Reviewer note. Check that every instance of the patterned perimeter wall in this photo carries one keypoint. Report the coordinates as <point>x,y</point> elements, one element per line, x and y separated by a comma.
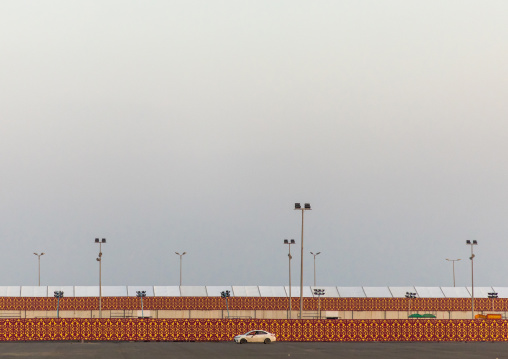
<point>224,330</point>
<point>253,303</point>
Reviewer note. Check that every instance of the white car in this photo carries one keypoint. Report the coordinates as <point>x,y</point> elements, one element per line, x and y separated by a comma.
<point>255,336</point>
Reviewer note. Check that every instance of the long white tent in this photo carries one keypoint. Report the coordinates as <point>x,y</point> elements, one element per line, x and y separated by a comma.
<point>251,291</point>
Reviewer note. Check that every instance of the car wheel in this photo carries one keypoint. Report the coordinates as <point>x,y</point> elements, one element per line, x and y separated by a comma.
<point>243,341</point>
<point>267,341</point>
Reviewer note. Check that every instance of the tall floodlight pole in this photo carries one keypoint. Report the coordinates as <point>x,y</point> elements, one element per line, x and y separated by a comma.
<point>453,266</point>
<point>473,243</point>
<point>99,259</point>
<point>289,242</point>
<point>226,294</point>
<point>181,255</point>
<point>319,293</point>
<point>315,266</point>
<point>410,295</point>
<point>39,257</point>
<point>306,207</point>
<point>493,295</point>
<point>58,294</point>
<point>141,294</point>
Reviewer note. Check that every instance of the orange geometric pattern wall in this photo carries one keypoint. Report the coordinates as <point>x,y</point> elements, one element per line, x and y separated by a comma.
<point>225,329</point>
<point>254,303</point>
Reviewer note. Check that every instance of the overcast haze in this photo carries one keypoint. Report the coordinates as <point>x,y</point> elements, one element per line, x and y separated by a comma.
<point>195,126</point>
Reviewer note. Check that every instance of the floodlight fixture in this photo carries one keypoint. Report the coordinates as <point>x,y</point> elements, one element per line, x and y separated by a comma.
<point>319,292</point>
<point>410,295</point>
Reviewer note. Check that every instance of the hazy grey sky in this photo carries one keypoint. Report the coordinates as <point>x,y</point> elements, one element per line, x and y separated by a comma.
<point>196,125</point>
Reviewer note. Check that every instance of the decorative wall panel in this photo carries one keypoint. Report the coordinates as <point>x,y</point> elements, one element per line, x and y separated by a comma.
<point>254,303</point>
<point>225,330</point>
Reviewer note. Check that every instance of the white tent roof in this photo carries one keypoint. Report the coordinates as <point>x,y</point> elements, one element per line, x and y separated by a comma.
<point>266,291</point>
<point>330,292</point>
<point>400,292</point>
<point>429,292</point>
<point>166,291</point>
<point>251,291</point>
<point>216,290</point>
<point>10,291</point>
<point>480,292</point>
<point>377,292</point>
<point>114,291</point>
<point>132,289</point>
<point>246,291</point>
<point>295,291</point>
<point>193,291</point>
<point>455,292</point>
<point>68,290</point>
<point>86,291</point>
<point>351,292</point>
<point>27,291</point>
<point>502,292</point>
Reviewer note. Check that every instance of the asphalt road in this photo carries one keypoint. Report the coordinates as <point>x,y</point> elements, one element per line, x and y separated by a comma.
<point>289,350</point>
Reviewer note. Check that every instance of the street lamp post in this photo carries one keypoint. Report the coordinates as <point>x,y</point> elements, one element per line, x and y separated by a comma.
<point>141,294</point>
<point>226,294</point>
<point>410,295</point>
<point>181,255</point>
<point>39,257</point>
<point>472,243</point>
<point>453,266</point>
<point>319,293</point>
<point>493,295</point>
<point>298,207</point>
<point>315,266</point>
<point>289,242</point>
<point>99,259</point>
<point>58,294</point>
